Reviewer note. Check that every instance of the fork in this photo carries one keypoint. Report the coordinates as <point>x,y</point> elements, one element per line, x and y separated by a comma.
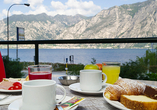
<point>4,97</point>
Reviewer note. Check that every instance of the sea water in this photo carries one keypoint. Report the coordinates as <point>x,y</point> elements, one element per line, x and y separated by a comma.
<point>83,56</point>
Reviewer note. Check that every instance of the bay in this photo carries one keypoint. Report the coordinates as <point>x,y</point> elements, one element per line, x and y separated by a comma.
<point>83,56</point>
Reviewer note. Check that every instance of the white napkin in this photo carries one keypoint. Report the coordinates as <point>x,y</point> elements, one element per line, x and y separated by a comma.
<point>9,99</point>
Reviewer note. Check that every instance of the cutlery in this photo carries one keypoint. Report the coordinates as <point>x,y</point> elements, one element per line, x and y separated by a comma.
<point>58,106</point>
<point>4,97</point>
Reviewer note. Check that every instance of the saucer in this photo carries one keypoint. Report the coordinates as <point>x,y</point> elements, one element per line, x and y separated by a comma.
<point>16,104</point>
<point>76,87</point>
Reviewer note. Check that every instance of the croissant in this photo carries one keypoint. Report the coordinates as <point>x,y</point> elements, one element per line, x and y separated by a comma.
<point>124,87</point>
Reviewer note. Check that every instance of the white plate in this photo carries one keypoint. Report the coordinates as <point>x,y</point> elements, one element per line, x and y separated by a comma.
<point>15,80</point>
<point>16,104</point>
<point>9,99</point>
<point>76,87</point>
<point>2,90</point>
<point>116,104</point>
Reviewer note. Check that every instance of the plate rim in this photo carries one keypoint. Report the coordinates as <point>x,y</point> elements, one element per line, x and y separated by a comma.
<point>3,90</point>
<point>20,99</point>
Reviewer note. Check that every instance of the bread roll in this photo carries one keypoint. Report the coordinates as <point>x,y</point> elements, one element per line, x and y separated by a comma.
<point>114,92</point>
<point>124,87</point>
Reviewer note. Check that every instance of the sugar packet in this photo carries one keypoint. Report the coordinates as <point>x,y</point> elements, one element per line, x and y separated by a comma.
<point>71,103</point>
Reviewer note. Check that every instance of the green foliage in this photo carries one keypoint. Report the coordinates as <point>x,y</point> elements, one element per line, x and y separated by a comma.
<point>132,70</point>
<point>58,67</point>
<point>144,68</point>
<point>149,60</point>
<point>26,64</point>
<point>152,76</point>
<point>13,67</point>
<point>74,69</point>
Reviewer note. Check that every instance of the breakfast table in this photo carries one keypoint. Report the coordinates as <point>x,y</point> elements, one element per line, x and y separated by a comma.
<point>91,102</point>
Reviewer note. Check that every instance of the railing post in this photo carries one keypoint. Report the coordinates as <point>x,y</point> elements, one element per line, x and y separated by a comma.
<point>36,54</point>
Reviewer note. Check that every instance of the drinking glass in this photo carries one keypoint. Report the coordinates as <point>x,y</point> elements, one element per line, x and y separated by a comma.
<point>40,72</point>
<point>112,70</point>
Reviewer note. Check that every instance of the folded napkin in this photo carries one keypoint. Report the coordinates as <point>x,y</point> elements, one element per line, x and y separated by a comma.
<point>9,99</point>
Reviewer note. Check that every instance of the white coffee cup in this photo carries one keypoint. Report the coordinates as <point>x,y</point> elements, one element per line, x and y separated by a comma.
<point>40,95</point>
<point>91,80</point>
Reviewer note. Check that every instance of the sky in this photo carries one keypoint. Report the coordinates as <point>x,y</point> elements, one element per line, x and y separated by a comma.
<point>62,7</point>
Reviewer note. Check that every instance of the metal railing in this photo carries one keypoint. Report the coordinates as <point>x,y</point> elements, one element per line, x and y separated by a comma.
<point>80,41</point>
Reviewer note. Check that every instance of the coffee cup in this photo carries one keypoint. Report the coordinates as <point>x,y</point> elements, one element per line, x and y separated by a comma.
<point>91,80</point>
<point>40,95</point>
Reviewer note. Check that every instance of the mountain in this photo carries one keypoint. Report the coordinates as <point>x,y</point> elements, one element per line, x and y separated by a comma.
<point>38,27</point>
<point>125,21</point>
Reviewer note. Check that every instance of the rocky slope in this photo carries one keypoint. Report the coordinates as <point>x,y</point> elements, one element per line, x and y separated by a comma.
<point>126,21</point>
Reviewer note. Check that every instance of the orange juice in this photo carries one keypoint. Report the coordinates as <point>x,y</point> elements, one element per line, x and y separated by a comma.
<point>112,73</point>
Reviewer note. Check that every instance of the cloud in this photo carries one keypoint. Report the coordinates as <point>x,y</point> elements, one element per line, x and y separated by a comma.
<point>4,12</point>
<point>12,1</point>
<point>34,3</point>
<point>58,5</point>
<point>1,16</point>
<point>17,12</point>
<point>71,7</point>
<point>38,10</point>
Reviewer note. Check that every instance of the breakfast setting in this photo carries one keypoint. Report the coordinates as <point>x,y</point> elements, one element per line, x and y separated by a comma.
<point>78,55</point>
<point>98,86</point>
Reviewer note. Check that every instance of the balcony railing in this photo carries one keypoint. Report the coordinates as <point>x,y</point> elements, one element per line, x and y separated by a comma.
<point>80,41</point>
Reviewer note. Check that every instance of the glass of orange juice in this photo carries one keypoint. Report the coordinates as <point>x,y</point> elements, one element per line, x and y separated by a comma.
<point>112,70</point>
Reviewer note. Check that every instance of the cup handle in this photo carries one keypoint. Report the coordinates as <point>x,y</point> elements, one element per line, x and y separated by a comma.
<point>61,99</point>
<point>105,78</point>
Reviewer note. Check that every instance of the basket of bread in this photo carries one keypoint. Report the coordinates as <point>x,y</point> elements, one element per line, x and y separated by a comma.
<point>131,94</point>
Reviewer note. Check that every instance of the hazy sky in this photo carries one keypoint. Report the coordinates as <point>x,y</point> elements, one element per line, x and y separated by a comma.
<point>65,7</point>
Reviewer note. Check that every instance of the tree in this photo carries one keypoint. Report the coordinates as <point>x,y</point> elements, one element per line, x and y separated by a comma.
<point>142,68</point>
<point>13,67</point>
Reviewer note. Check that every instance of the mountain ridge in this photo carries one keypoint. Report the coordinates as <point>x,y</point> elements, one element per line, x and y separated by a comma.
<point>126,21</point>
